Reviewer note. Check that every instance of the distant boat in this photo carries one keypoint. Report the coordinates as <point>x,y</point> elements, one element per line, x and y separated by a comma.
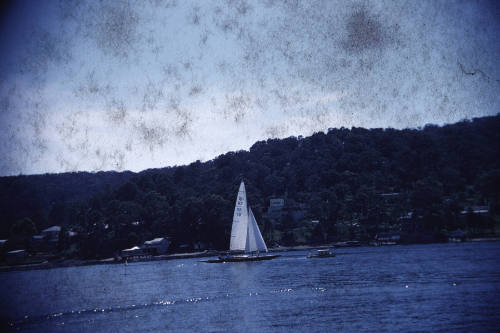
<point>246,243</point>
<point>321,254</point>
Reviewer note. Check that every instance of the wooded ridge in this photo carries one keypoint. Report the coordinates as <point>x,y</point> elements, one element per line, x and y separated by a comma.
<point>346,184</point>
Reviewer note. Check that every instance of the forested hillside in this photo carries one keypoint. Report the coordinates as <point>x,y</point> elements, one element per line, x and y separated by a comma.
<point>355,182</point>
<point>40,196</point>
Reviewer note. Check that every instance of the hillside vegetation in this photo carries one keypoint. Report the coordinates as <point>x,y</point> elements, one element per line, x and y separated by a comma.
<point>356,182</point>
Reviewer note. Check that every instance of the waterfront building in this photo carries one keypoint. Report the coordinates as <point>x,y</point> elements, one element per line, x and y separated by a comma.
<point>52,233</point>
<point>132,252</point>
<point>16,257</point>
<point>456,236</point>
<point>387,238</point>
<point>157,246</point>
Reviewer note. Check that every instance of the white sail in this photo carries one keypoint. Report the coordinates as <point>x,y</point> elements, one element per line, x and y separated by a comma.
<point>255,242</point>
<point>240,222</point>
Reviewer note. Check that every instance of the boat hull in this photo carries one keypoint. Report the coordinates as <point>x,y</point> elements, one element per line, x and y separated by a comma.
<point>241,259</point>
<point>323,256</point>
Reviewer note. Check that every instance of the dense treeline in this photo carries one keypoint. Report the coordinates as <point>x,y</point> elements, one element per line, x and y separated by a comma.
<point>35,196</point>
<point>342,177</point>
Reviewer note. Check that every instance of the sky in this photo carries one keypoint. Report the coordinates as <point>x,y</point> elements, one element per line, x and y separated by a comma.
<point>131,85</point>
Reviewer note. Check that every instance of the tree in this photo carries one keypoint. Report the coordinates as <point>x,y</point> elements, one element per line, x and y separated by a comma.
<point>21,232</point>
<point>489,184</point>
<point>318,236</point>
<point>63,242</point>
<point>427,195</point>
<point>23,228</point>
<point>437,171</point>
<point>127,192</point>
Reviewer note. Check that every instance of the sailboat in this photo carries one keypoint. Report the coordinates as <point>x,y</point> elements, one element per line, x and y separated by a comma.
<point>246,242</point>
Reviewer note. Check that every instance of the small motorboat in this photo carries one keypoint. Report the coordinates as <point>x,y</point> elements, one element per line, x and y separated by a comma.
<point>321,254</point>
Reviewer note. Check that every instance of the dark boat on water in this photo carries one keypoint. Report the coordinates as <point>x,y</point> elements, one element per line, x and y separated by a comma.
<point>321,254</point>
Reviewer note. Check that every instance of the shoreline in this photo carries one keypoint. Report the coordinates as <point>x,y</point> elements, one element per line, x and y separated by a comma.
<point>107,261</point>
<point>203,254</point>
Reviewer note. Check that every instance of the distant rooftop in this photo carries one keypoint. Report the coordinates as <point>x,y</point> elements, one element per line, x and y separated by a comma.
<point>476,210</point>
<point>53,228</point>
<point>154,241</point>
<point>135,248</point>
<point>457,234</point>
<point>16,251</point>
<point>277,202</point>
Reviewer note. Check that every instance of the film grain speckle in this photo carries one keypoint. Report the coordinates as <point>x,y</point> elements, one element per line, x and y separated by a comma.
<point>130,85</point>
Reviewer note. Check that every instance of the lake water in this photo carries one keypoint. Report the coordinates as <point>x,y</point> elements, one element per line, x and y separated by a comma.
<point>437,287</point>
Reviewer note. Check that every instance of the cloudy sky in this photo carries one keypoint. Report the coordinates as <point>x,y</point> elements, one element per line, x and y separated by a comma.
<point>130,85</point>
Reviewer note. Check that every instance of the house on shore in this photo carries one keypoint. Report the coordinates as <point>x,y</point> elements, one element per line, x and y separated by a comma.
<point>157,246</point>
<point>477,219</point>
<point>47,241</point>
<point>276,208</point>
<point>38,243</point>
<point>16,257</point>
<point>199,246</point>
<point>478,210</point>
<point>52,233</point>
<point>51,236</point>
<point>279,207</point>
<point>456,236</point>
<point>387,238</point>
<point>132,252</point>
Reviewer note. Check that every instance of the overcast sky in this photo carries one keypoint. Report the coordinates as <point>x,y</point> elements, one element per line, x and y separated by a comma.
<point>130,85</point>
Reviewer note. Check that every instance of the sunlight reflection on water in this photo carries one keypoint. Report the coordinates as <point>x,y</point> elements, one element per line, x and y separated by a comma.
<point>370,289</point>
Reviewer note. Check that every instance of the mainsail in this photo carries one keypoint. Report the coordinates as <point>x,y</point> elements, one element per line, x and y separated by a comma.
<point>245,233</point>
<point>240,222</point>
